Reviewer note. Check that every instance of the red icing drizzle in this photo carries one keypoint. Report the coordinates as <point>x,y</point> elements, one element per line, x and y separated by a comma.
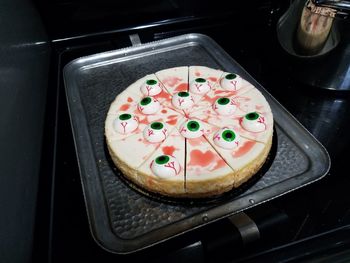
<point>144,121</point>
<point>246,147</point>
<point>205,117</point>
<point>147,143</point>
<point>130,99</point>
<point>172,122</point>
<point>220,163</point>
<point>240,119</point>
<point>195,142</point>
<point>171,81</point>
<point>124,107</point>
<point>241,99</point>
<point>163,95</point>
<point>169,150</point>
<point>164,111</point>
<point>212,79</point>
<point>172,119</point>
<point>198,158</point>
<point>227,93</point>
<point>182,87</point>
<point>197,74</point>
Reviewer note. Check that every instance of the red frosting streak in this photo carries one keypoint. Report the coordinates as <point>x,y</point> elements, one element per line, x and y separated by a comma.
<point>144,121</point>
<point>195,142</point>
<point>220,163</point>
<point>228,93</point>
<point>164,111</point>
<point>172,122</point>
<point>246,147</point>
<point>169,150</point>
<point>199,158</point>
<point>124,107</point>
<point>210,99</point>
<point>130,99</point>
<point>197,74</point>
<point>182,87</point>
<point>212,79</point>
<point>171,81</point>
<point>162,95</point>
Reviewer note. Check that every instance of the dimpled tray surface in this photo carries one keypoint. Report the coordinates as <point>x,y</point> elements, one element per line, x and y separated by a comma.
<point>123,220</point>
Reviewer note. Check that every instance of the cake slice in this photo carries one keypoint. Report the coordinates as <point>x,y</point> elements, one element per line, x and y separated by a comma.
<point>174,79</point>
<point>130,152</point>
<point>207,173</point>
<point>244,156</point>
<point>164,171</point>
<point>201,81</point>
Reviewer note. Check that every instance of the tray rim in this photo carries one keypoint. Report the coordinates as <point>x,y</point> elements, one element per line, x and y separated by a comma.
<point>111,242</point>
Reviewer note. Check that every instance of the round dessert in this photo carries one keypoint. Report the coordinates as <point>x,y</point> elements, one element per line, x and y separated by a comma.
<point>189,131</point>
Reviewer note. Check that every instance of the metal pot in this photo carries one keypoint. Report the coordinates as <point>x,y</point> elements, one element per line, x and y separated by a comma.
<point>316,35</point>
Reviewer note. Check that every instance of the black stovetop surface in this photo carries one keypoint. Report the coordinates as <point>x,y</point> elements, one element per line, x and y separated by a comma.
<point>311,212</point>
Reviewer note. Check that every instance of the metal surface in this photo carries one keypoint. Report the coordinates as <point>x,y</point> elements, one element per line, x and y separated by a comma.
<point>298,39</point>
<point>342,7</point>
<point>135,39</point>
<point>318,43</point>
<point>124,221</point>
<point>247,228</point>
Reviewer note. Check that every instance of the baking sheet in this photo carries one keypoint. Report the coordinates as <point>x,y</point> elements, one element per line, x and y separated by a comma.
<point>123,220</point>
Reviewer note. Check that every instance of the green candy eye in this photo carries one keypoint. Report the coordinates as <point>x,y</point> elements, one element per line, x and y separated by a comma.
<point>252,116</point>
<point>192,129</point>
<point>125,123</point>
<point>227,139</point>
<point>223,101</point>
<point>228,135</point>
<point>200,80</point>
<point>165,166</point>
<point>163,159</point>
<point>145,101</point>
<point>125,117</point>
<point>193,126</point>
<point>183,94</point>
<point>230,76</point>
<point>157,125</point>
<point>151,82</point>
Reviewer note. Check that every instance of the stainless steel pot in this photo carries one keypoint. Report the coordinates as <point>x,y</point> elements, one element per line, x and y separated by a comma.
<point>316,34</point>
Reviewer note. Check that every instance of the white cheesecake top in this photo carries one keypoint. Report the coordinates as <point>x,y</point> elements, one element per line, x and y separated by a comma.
<point>187,125</point>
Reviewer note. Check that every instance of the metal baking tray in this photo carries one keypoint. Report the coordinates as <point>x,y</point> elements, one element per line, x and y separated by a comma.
<point>123,220</point>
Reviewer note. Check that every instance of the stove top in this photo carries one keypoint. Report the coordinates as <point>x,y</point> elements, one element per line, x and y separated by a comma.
<point>288,225</point>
